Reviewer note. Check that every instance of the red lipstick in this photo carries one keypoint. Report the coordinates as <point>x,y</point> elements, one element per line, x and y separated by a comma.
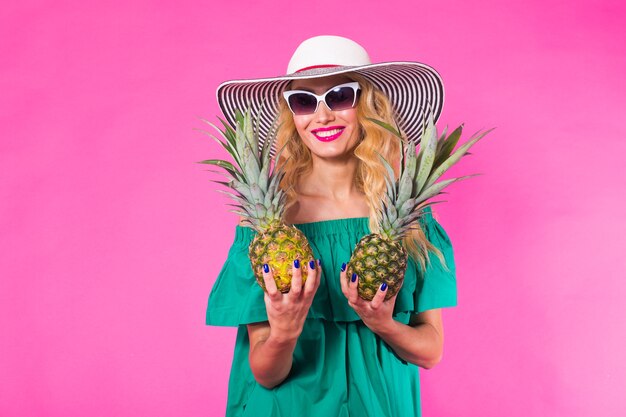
<point>328,134</point>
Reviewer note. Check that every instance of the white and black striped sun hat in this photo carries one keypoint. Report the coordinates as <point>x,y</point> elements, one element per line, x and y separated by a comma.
<point>413,88</point>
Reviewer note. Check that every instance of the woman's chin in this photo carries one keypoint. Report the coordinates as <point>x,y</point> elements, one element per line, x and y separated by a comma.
<point>332,154</point>
<point>332,150</point>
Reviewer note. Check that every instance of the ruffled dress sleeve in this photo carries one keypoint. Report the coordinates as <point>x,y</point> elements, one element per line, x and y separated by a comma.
<point>236,298</point>
<point>435,286</point>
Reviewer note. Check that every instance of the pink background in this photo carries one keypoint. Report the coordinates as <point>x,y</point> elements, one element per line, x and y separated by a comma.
<point>111,236</point>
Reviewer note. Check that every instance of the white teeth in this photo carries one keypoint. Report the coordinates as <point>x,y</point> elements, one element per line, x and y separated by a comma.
<point>327,133</point>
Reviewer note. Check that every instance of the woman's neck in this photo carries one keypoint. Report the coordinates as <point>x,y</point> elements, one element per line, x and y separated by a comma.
<point>328,192</point>
<point>331,179</point>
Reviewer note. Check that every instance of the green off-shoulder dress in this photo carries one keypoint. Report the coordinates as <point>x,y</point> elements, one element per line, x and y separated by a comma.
<point>340,367</point>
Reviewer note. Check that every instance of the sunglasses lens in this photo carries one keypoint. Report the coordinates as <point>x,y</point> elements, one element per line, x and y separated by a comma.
<point>338,98</point>
<point>341,98</point>
<point>302,103</point>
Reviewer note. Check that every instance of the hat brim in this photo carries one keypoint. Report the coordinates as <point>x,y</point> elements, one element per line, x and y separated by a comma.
<point>414,89</point>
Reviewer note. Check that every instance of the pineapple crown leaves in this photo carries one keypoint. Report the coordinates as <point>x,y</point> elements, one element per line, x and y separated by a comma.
<point>418,174</point>
<point>253,184</point>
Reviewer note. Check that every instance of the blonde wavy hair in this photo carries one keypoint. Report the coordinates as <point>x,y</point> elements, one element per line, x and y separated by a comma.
<point>370,176</point>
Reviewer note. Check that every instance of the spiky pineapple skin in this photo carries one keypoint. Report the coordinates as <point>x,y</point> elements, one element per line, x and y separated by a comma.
<point>278,247</point>
<point>375,260</point>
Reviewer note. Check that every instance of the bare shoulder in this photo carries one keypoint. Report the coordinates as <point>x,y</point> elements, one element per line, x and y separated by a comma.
<point>311,208</point>
<point>292,214</point>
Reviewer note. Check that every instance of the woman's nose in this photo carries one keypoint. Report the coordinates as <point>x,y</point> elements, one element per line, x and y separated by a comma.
<point>323,113</point>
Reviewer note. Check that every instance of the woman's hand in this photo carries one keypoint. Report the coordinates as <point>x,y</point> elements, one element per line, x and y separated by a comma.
<point>287,312</point>
<point>272,342</point>
<point>420,343</point>
<point>376,314</point>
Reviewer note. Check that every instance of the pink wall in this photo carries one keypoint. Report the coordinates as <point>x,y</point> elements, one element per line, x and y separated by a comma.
<point>111,236</point>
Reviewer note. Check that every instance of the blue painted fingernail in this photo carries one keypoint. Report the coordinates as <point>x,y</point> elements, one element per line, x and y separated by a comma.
<point>343,267</point>
<point>383,287</point>
<point>312,264</point>
<point>319,262</point>
<point>353,276</point>
<point>266,268</point>
<point>296,263</point>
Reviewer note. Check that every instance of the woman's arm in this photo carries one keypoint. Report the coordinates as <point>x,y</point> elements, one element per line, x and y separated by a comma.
<point>420,342</point>
<point>272,342</point>
<point>270,359</point>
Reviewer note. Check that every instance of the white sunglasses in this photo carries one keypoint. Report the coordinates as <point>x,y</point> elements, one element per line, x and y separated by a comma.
<point>339,97</point>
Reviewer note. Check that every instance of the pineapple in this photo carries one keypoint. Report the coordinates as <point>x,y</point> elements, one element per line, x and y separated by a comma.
<point>254,186</point>
<point>381,257</point>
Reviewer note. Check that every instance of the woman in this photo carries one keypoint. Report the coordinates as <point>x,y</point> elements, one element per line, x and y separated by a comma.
<point>319,349</point>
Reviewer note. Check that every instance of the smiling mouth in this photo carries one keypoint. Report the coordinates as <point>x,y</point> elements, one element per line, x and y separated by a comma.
<point>327,135</point>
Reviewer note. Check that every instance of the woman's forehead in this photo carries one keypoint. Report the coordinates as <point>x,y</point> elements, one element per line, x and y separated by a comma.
<point>319,85</point>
